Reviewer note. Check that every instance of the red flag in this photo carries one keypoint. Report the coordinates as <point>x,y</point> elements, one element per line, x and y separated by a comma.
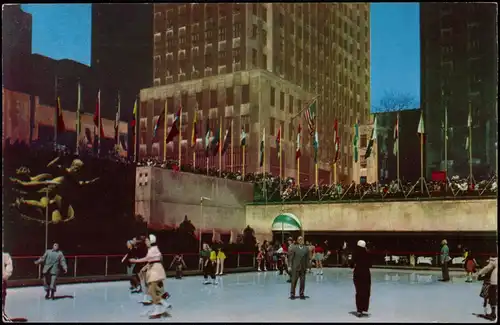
<point>61,127</point>
<point>97,115</point>
<point>175,130</point>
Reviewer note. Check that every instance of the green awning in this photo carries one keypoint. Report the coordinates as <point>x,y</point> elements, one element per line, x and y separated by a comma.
<point>286,222</point>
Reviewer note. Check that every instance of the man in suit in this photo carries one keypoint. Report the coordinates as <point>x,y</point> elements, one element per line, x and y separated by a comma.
<point>52,260</point>
<point>299,256</point>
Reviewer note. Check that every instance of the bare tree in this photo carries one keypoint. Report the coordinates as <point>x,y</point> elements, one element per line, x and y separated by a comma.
<point>394,101</point>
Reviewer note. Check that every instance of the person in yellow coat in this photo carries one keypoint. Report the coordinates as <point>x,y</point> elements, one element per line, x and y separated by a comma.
<point>220,261</point>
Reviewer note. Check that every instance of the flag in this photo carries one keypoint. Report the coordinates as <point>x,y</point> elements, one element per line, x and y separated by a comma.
<point>372,139</point>
<point>175,129</point>
<point>396,140</point>
<point>227,140</point>
<point>193,131</point>
<point>160,121</point>
<point>78,121</point>
<point>134,115</point>
<point>337,140</point>
<point>316,146</point>
<point>207,138</point>
<point>61,127</point>
<point>262,144</point>
<point>97,115</point>
<point>355,142</point>
<point>215,143</point>
<point>310,115</point>
<point>117,121</point>
<point>278,141</point>
<point>297,150</point>
<point>243,138</point>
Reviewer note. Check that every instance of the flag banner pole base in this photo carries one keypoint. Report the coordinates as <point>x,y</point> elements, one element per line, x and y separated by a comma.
<point>327,192</point>
<point>342,197</point>
<point>471,180</point>
<point>310,188</point>
<point>423,184</point>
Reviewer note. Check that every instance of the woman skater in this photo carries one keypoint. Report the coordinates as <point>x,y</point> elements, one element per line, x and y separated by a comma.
<point>135,282</point>
<point>470,265</point>
<point>220,261</point>
<point>362,278</point>
<point>209,261</point>
<point>319,253</point>
<point>155,274</point>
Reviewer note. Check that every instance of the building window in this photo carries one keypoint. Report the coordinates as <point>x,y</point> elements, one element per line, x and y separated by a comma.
<point>254,9</point>
<point>363,141</point>
<point>213,98</point>
<point>208,34</point>
<point>222,34</point>
<point>272,126</point>
<point>282,101</point>
<point>290,104</point>
<point>273,96</point>
<point>222,56</point>
<point>264,13</point>
<point>245,94</point>
<point>237,30</point>
<point>255,30</point>
<point>229,96</point>
<point>290,131</point>
<point>254,57</point>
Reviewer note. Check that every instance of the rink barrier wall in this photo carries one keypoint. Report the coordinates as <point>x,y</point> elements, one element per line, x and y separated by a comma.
<point>96,268</point>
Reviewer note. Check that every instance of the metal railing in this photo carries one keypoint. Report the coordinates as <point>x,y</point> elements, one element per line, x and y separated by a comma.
<point>110,265</point>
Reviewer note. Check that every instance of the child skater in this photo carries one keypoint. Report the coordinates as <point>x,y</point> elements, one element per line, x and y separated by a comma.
<point>220,261</point>
<point>470,266</point>
<point>178,261</point>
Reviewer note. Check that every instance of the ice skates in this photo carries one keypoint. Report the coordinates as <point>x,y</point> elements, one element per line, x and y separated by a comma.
<point>146,301</point>
<point>160,310</point>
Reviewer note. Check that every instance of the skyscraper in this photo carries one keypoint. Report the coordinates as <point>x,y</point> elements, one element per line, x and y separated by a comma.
<point>258,65</point>
<point>459,55</point>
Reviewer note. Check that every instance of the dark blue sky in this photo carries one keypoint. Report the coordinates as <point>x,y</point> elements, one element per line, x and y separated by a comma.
<point>63,31</point>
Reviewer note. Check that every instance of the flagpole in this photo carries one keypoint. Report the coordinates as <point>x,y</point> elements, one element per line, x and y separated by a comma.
<point>316,139</point>
<point>78,131</point>
<point>165,112</point>
<point>117,140</point>
<point>397,148</point>
<point>220,148</point>
<point>280,155</point>
<point>99,125</point>
<point>421,154</point>
<point>180,135</point>
<point>446,144</point>
<point>232,147</point>
<point>469,121</point>
<point>194,136</point>
<point>243,169</point>
<point>56,113</point>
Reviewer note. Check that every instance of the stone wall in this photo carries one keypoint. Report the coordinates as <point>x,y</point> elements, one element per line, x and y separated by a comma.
<point>165,197</point>
<point>439,215</point>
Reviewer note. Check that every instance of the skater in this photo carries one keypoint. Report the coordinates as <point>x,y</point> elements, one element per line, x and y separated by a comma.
<point>361,278</point>
<point>445,259</point>
<point>178,261</point>
<point>155,274</point>
<point>319,254</point>
<point>52,260</point>
<point>135,282</point>
<point>209,260</point>
<point>312,257</point>
<point>220,261</point>
<point>492,289</point>
<point>470,265</point>
<point>299,258</point>
<point>7,270</point>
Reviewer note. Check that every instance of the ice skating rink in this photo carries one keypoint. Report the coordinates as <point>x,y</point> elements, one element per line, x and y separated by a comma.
<point>397,296</point>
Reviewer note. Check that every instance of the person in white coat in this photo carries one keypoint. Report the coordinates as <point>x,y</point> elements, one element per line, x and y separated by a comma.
<point>491,270</point>
<point>7,270</point>
<point>155,275</point>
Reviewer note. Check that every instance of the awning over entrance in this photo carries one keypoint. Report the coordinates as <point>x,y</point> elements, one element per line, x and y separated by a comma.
<point>286,222</point>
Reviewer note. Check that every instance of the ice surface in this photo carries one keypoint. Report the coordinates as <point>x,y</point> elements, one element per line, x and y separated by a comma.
<point>397,296</point>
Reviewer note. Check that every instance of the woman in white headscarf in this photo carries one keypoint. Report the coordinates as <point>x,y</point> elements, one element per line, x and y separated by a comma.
<point>362,278</point>
<point>155,275</point>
